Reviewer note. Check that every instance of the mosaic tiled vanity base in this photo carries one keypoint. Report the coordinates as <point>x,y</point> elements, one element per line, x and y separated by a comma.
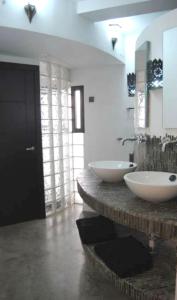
<point>155,284</point>
<point>116,202</point>
<point>159,282</point>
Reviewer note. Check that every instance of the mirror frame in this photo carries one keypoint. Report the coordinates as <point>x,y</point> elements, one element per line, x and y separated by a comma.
<point>145,91</point>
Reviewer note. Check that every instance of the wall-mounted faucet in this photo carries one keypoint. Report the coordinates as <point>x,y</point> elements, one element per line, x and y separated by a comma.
<point>139,138</point>
<point>166,141</point>
<point>132,139</point>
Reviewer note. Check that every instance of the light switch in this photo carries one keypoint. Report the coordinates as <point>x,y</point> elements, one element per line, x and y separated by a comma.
<point>91,99</point>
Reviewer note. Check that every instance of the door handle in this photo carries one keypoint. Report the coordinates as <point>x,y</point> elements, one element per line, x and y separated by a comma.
<point>30,148</point>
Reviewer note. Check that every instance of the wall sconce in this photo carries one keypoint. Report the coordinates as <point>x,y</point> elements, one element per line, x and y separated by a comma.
<point>114,42</point>
<point>131,83</point>
<point>114,30</point>
<point>154,74</point>
<point>30,11</point>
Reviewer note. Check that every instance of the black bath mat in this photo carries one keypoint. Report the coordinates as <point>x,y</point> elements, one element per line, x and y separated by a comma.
<point>96,229</point>
<point>125,256</point>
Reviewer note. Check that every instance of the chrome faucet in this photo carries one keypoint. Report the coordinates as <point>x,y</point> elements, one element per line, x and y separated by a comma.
<point>166,141</point>
<point>132,139</point>
<point>140,138</point>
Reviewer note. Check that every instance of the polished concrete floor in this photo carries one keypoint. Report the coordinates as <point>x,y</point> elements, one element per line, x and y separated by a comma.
<point>44,260</point>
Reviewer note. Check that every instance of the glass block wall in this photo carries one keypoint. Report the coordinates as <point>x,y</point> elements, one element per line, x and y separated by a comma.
<point>78,161</point>
<point>57,137</point>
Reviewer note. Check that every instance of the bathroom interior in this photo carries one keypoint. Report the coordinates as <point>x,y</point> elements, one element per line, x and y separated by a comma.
<point>88,156</point>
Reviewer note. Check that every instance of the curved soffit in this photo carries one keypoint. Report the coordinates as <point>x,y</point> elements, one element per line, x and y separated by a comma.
<point>72,54</point>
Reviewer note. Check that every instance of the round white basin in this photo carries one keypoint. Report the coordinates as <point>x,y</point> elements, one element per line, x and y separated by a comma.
<point>112,171</point>
<point>152,186</point>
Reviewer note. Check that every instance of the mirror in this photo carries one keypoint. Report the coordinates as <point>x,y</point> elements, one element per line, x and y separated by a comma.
<point>142,94</point>
<point>170,78</point>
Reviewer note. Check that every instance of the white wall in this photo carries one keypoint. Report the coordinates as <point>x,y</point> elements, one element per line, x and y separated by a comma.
<point>170,78</point>
<point>154,34</point>
<point>58,18</point>
<point>107,118</point>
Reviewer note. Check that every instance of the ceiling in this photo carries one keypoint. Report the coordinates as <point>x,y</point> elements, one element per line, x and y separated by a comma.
<point>100,10</point>
<point>132,15</point>
<point>134,24</point>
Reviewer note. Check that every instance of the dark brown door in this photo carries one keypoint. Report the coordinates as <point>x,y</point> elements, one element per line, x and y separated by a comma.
<point>21,176</point>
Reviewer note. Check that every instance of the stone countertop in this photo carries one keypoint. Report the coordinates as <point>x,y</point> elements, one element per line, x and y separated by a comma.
<point>118,203</point>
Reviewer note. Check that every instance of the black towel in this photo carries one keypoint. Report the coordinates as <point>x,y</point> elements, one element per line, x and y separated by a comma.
<point>125,256</point>
<point>96,229</point>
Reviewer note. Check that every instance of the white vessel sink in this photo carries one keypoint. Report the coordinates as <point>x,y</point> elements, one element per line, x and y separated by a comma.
<point>112,171</point>
<point>152,186</point>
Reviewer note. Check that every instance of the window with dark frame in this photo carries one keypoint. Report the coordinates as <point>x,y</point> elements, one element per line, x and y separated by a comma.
<point>77,96</point>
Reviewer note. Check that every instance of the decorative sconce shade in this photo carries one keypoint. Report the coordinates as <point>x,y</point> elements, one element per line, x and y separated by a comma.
<point>114,31</point>
<point>114,42</point>
<point>155,74</point>
<point>131,83</point>
<point>30,11</point>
